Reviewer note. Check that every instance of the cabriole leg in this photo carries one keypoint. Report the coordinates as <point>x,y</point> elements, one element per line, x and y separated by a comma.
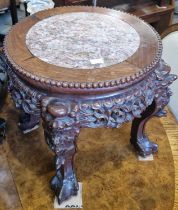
<point>138,138</point>
<point>61,132</point>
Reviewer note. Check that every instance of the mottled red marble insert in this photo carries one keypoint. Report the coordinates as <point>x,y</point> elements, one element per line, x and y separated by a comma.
<point>82,40</point>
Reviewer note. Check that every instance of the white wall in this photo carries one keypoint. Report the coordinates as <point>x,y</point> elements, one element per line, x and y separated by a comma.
<point>170,56</point>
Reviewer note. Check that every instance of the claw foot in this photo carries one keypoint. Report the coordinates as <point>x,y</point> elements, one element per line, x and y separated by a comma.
<point>145,147</point>
<point>68,189</point>
<point>56,183</point>
<point>64,188</point>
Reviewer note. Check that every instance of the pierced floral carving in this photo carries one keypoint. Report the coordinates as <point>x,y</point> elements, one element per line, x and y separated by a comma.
<point>124,107</point>
<point>27,100</point>
<point>163,93</point>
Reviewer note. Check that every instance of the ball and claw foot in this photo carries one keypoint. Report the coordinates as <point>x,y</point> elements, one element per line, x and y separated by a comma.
<point>145,147</point>
<point>64,189</point>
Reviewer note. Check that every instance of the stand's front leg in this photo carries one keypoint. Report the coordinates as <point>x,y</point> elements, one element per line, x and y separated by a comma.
<point>61,131</point>
<point>64,183</point>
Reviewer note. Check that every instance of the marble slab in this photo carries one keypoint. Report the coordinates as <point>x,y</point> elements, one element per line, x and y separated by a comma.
<point>82,40</point>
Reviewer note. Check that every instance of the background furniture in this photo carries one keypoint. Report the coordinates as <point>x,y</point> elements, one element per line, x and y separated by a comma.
<point>4,4</point>
<point>86,95</point>
<point>13,9</point>
<point>159,17</point>
<point>12,4</point>
<point>148,10</point>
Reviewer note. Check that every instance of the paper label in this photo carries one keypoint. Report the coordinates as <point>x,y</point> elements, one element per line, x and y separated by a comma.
<point>97,61</point>
<point>147,158</point>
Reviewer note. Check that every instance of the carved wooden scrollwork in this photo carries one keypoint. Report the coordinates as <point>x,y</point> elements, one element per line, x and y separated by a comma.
<point>130,104</point>
<point>163,93</point>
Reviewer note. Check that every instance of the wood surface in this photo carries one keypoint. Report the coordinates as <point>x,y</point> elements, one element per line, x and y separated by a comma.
<point>171,128</point>
<point>170,29</point>
<point>160,18</point>
<point>25,62</point>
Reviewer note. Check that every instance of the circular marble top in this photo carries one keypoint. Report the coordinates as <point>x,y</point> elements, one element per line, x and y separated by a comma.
<point>81,49</point>
<point>82,40</point>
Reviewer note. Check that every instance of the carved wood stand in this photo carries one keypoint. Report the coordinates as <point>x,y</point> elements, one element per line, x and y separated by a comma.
<point>63,117</point>
<point>111,103</point>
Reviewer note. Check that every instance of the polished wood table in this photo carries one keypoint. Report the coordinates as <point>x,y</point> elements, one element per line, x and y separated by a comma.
<point>85,67</point>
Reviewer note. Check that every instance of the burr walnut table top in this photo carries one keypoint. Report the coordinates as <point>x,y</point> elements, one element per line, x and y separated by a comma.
<point>82,49</point>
